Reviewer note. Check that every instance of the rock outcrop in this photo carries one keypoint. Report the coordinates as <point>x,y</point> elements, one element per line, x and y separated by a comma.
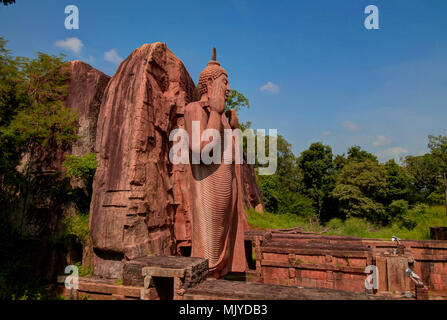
<point>141,202</point>
<point>85,93</point>
<point>252,197</point>
<point>133,206</point>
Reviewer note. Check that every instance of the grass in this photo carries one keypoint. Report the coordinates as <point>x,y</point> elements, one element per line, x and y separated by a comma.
<point>415,225</point>
<point>84,271</point>
<point>267,220</point>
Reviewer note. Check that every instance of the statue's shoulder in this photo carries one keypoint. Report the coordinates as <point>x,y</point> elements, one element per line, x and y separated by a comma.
<point>194,107</point>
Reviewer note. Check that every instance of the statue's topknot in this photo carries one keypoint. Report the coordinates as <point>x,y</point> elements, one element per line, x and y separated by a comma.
<point>213,70</point>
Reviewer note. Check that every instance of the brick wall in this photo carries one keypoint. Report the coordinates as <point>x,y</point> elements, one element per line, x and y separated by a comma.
<point>336,262</point>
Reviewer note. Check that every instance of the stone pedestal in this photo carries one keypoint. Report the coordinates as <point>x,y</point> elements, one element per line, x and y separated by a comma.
<point>165,277</point>
<point>391,273</point>
<point>421,292</point>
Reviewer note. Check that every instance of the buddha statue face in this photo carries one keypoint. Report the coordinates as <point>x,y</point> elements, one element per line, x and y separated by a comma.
<point>218,87</point>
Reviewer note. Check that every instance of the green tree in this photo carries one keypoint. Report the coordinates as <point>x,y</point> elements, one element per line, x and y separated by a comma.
<point>318,174</point>
<point>12,100</point>
<point>81,167</point>
<point>270,188</point>
<point>361,190</point>
<point>355,153</point>
<point>438,148</point>
<point>426,175</point>
<point>41,120</point>
<point>237,101</point>
<point>398,181</point>
<point>398,209</point>
<point>280,191</point>
<point>287,168</point>
<point>35,123</point>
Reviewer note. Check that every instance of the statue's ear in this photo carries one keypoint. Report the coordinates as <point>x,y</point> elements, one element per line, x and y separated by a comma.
<point>209,82</point>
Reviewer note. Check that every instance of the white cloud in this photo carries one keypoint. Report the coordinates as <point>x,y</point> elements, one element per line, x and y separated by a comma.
<point>326,134</point>
<point>270,87</point>
<point>381,141</point>
<point>112,56</point>
<point>71,44</point>
<point>393,152</point>
<point>351,126</point>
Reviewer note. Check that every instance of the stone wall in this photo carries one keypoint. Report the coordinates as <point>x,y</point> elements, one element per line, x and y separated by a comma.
<point>335,262</point>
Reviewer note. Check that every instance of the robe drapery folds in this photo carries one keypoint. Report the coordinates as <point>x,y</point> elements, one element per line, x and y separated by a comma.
<point>217,216</point>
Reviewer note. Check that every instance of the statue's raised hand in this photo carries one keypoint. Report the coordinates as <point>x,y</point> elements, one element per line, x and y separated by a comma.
<point>216,99</point>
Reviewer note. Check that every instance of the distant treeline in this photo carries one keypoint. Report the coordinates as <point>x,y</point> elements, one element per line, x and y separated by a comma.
<point>320,185</point>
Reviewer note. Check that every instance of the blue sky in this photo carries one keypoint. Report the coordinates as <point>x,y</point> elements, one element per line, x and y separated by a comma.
<point>325,77</point>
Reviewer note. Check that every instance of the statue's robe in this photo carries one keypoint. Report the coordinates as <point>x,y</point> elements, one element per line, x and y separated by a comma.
<point>218,221</point>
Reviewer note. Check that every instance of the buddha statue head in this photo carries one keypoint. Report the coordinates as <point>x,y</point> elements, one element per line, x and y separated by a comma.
<point>214,75</point>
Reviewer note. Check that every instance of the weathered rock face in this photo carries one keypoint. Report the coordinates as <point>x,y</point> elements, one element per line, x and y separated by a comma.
<point>141,202</point>
<point>133,206</point>
<point>85,93</point>
<point>252,197</point>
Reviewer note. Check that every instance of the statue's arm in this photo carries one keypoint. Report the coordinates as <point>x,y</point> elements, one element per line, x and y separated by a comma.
<point>195,112</point>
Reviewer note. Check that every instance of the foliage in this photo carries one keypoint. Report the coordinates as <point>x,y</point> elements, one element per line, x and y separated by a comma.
<point>17,274</point>
<point>414,225</point>
<point>34,122</point>
<point>421,217</point>
<point>398,182</point>
<point>267,220</point>
<point>281,190</point>
<point>44,120</point>
<point>360,190</point>
<point>77,225</point>
<point>355,153</point>
<point>316,165</point>
<point>81,167</point>
<point>237,101</point>
<point>425,171</point>
<point>438,148</point>
<point>353,202</point>
<point>398,209</point>
<point>84,271</point>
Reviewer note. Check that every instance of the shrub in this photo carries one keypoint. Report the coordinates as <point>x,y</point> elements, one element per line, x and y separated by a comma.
<point>82,167</point>
<point>77,224</point>
<point>397,209</point>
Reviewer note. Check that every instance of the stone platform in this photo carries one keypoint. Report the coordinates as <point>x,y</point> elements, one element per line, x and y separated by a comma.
<point>165,277</point>
<point>236,290</point>
<point>95,288</point>
<point>163,266</point>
